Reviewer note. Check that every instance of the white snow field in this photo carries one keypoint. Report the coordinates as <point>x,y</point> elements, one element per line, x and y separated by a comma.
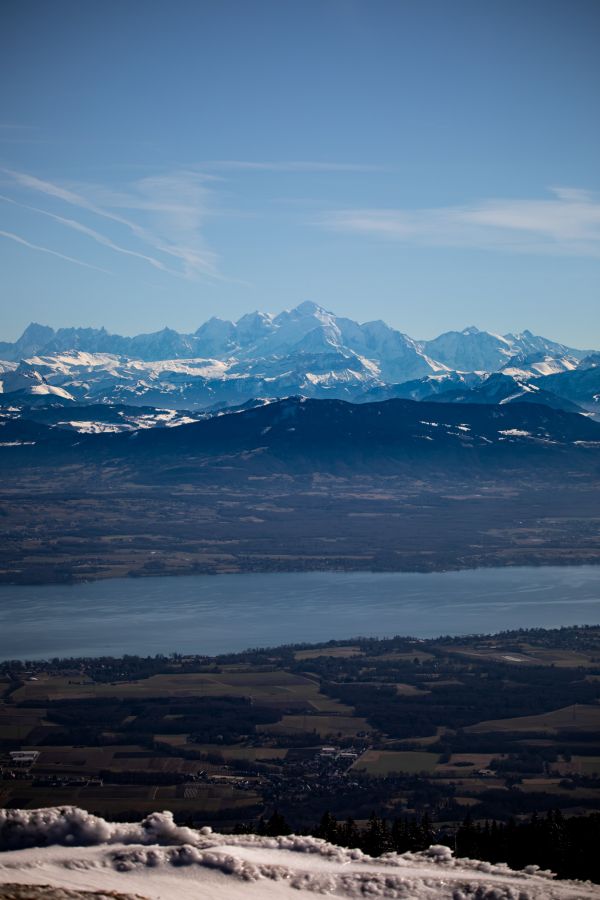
<point>69,848</point>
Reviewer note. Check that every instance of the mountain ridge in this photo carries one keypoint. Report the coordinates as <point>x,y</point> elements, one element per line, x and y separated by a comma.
<point>306,350</point>
<point>298,434</point>
<point>289,326</point>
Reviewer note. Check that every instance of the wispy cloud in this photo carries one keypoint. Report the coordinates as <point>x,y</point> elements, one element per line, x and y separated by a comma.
<point>160,219</point>
<point>568,223</point>
<point>291,166</point>
<point>168,213</point>
<point>84,229</point>
<point>176,206</point>
<point>24,243</point>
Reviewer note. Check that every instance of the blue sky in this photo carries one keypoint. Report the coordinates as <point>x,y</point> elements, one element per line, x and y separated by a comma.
<point>432,163</point>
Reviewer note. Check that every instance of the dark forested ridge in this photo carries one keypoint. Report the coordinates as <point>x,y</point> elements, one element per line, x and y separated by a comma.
<point>297,434</point>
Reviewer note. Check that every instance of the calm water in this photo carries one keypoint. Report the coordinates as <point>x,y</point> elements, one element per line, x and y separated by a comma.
<point>204,614</point>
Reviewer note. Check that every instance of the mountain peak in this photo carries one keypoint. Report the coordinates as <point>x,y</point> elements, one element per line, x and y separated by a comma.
<point>35,327</point>
<point>256,316</point>
<point>36,332</point>
<point>309,308</point>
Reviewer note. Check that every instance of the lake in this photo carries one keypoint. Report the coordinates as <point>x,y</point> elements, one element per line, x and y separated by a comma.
<point>226,613</point>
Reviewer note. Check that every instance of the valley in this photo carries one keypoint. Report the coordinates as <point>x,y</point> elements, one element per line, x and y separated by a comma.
<point>90,522</point>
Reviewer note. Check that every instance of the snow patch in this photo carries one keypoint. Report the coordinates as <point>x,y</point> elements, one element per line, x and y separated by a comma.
<point>158,859</point>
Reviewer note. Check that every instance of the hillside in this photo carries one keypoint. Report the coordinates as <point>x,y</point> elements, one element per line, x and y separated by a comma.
<point>300,434</point>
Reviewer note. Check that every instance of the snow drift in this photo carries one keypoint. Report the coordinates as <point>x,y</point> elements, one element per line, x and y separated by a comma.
<point>155,858</point>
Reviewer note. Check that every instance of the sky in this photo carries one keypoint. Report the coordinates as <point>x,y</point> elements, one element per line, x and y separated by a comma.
<point>432,164</point>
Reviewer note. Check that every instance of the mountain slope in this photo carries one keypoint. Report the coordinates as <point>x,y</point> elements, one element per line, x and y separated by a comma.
<point>500,388</point>
<point>581,386</point>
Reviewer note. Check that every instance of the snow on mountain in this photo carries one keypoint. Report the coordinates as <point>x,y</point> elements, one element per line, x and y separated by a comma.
<point>262,336</point>
<point>98,418</point>
<point>92,377</point>
<point>33,339</point>
<point>194,383</point>
<point>216,337</point>
<point>424,388</point>
<point>28,381</point>
<point>302,350</point>
<point>539,363</point>
<point>158,860</point>
<point>48,390</point>
<point>527,343</point>
<point>159,418</point>
<point>470,350</point>
<point>502,388</point>
<point>581,386</point>
<point>400,357</point>
<point>592,361</point>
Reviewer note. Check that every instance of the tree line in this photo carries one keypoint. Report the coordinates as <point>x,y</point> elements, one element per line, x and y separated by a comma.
<point>566,846</point>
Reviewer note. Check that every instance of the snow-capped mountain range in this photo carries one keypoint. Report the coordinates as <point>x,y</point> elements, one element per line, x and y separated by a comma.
<point>307,351</point>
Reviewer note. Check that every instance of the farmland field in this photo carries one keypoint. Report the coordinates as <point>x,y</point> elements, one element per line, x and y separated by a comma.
<point>268,687</point>
<point>398,724</point>
<point>384,762</point>
<point>325,726</point>
<point>574,718</point>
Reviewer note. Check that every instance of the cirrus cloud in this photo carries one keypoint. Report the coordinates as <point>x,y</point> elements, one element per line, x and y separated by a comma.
<point>9,235</point>
<point>566,223</point>
<point>165,213</point>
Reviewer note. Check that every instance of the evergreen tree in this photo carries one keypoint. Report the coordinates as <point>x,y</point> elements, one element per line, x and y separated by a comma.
<point>277,825</point>
<point>328,828</point>
<point>376,838</point>
<point>349,835</point>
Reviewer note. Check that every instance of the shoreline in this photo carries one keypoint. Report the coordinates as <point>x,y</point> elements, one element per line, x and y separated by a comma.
<point>292,570</point>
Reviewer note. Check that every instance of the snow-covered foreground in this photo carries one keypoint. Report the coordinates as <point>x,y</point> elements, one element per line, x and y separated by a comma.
<point>68,847</point>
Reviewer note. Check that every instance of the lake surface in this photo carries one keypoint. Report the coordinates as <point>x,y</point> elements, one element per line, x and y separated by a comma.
<point>226,613</point>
